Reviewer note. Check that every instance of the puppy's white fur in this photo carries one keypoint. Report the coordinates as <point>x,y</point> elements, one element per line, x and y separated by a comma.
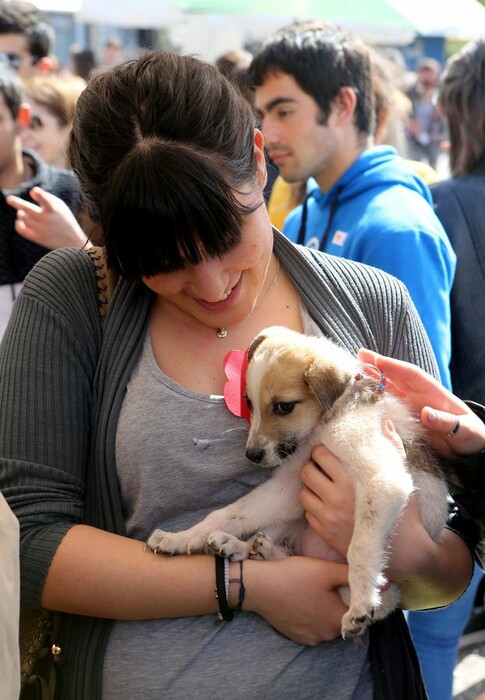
<point>302,392</point>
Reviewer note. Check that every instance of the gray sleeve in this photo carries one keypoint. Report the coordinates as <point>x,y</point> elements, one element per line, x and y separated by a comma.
<point>47,364</point>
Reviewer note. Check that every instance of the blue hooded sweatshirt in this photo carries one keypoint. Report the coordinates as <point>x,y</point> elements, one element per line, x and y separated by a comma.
<point>380,213</point>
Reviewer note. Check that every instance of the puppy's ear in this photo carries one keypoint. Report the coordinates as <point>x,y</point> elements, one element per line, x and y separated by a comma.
<point>327,382</point>
<point>255,345</point>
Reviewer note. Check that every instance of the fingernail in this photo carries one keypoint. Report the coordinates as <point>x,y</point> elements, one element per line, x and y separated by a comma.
<point>390,425</point>
<point>432,416</point>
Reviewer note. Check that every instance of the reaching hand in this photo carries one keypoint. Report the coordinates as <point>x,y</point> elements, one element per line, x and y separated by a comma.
<point>50,224</point>
<point>453,428</point>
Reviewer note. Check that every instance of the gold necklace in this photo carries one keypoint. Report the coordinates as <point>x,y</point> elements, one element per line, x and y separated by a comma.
<point>222,331</point>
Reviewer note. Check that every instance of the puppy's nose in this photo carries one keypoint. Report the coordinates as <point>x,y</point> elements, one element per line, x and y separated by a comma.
<point>255,454</point>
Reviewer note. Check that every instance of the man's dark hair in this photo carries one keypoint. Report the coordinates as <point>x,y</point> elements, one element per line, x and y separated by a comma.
<point>322,59</point>
<point>11,88</point>
<point>19,17</point>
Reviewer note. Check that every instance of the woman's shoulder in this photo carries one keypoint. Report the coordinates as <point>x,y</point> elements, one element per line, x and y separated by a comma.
<point>62,285</point>
<point>64,270</point>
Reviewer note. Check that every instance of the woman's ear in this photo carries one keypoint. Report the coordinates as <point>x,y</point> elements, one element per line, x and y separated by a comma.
<point>260,158</point>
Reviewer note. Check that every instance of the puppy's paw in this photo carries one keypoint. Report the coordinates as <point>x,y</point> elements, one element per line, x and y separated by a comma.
<point>166,543</point>
<point>263,547</point>
<point>228,546</point>
<point>355,622</point>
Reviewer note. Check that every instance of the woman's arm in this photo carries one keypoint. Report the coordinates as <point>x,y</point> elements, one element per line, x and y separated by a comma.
<point>100,574</point>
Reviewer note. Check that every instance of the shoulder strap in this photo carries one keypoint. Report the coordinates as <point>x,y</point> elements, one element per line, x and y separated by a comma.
<point>105,277</point>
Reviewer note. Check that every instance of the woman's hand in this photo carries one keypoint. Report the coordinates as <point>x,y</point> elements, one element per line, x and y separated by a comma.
<point>328,499</point>
<point>51,224</point>
<point>437,407</point>
<point>298,596</point>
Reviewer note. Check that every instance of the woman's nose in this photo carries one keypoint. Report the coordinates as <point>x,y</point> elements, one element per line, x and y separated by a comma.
<point>210,280</point>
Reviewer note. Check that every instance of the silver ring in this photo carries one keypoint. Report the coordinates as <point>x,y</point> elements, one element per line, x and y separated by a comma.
<point>455,428</point>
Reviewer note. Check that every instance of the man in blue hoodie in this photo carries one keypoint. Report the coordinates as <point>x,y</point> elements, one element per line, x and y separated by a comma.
<point>313,87</point>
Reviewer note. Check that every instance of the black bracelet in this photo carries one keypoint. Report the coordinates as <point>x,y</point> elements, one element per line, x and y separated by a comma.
<point>225,612</point>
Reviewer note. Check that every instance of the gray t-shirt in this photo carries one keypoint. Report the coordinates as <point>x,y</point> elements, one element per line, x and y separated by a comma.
<point>171,474</point>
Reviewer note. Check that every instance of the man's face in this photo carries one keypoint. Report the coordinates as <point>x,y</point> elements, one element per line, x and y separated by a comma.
<point>9,131</point>
<point>14,48</point>
<point>298,145</point>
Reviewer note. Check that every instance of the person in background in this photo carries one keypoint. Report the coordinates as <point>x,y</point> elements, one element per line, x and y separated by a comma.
<point>82,62</point>
<point>26,39</point>
<point>314,89</point>
<point>23,175</point>
<point>53,101</point>
<point>112,52</point>
<point>392,108</point>
<point>426,127</point>
<point>460,206</point>
<point>119,430</point>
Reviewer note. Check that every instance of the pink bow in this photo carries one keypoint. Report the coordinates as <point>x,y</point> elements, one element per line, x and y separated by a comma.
<point>235,365</point>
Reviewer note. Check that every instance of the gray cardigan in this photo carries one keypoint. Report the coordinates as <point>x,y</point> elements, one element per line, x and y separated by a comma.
<point>62,383</point>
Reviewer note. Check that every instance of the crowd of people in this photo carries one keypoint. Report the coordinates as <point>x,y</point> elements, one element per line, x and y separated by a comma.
<point>315,201</point>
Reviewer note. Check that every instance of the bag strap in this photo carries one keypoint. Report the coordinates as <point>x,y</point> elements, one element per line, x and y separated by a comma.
<point>106,279</point>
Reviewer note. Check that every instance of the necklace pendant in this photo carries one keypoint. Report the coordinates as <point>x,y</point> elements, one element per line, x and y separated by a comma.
<point>221,332</point>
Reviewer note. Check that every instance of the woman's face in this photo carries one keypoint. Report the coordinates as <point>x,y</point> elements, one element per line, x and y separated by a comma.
<point>222,291</point>
<point>46,136</point>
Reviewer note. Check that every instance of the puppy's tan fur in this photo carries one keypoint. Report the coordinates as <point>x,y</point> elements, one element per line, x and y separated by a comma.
<point>302,391</point>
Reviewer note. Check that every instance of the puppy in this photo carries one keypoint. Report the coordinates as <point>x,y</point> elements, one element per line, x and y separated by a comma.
<point>303,391</point>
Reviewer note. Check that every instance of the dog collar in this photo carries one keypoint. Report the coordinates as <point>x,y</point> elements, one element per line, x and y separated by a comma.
<point>235,366</point>
<point>370,371</point>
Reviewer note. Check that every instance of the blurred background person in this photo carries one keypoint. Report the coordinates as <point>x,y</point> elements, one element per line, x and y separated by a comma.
<point>26,39</point>
<point>53,102</point>
<point>460,205</point>
<point>23,174</point>
<point>426,127</point>
<point>112,52</point>
<point>82,62</point>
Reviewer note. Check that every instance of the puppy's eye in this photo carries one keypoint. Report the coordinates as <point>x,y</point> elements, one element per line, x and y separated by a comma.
<point>248,402</point>
<point>283,408</point>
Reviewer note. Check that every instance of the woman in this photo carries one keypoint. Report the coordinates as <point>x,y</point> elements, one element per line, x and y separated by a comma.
<point>53,101</point>
<point>117,431</point>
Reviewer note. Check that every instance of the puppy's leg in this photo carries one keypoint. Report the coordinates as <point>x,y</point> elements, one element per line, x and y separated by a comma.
<point>274,501</point>
<point>381,496</point>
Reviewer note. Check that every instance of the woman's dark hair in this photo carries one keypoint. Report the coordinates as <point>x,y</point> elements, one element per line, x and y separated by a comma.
<point>162,145</point>
<point>462,102</point>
